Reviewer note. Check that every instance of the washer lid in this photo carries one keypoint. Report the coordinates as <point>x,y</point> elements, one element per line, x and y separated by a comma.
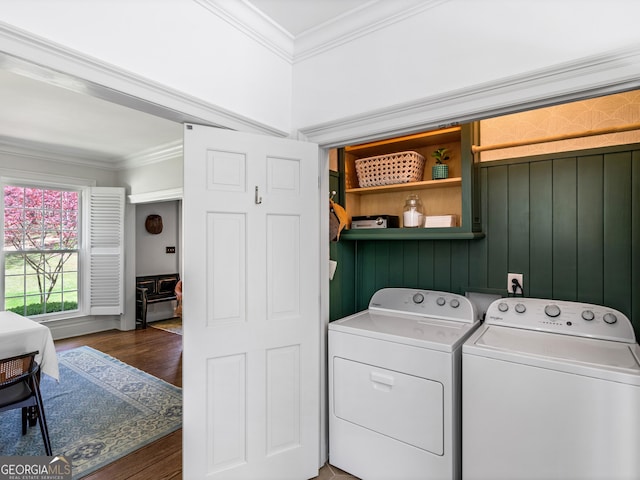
<point>604,359</point>
<point>420,331</point>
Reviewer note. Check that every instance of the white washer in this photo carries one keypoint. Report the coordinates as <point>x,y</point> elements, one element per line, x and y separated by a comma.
<point>394,385</point>
<point>551,390</point>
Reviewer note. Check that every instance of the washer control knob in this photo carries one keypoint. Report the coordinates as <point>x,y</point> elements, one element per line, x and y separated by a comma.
<point>610,318</point>
<point>552,311</point>
<point>503,307</point>
<point>588,315</point>
<point>441,301</point>
<point>418,298</point>
<point>520,308</point>
<point>455,303</point>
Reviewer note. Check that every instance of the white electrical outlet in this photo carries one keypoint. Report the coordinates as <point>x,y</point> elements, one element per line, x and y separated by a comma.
<point>510,278</point>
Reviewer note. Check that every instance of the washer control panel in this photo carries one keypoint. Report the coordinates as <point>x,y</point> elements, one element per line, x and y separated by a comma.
<point>568,318</point>
<point>431,303</point>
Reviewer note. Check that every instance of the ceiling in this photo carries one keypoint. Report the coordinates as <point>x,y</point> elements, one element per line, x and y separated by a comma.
<point>44,117</point>
<point>298,16</point>
<point>47,112</point>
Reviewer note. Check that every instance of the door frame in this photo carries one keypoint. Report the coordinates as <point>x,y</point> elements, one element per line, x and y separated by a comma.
<point>323,171</point>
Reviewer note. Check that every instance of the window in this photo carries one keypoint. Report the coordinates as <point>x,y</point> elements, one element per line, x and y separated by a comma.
<point>63,251</point>
<point>41,249</point>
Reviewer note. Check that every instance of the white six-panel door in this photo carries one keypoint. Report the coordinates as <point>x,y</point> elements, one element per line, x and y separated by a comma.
<point>251,306</point>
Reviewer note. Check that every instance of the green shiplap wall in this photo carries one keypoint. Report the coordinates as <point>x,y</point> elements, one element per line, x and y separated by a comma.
<point>570,224</point>
<point>342,289</point>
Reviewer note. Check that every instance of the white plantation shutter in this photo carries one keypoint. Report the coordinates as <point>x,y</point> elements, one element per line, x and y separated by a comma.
<point>106,250</point>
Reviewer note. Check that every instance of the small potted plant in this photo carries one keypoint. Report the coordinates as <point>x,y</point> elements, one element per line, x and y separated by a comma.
<point>440,170</point>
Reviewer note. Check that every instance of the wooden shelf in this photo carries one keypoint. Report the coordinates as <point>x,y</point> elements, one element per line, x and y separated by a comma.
<point>407,142</point>
<point>450,196</point>
<point>452,233</point>
<point>426,184</point>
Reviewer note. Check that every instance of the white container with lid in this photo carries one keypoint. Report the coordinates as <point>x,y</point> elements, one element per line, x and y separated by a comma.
<point>413,214</point>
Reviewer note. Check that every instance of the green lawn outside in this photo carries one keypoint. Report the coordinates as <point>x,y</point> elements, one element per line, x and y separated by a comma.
<point>22,282</point>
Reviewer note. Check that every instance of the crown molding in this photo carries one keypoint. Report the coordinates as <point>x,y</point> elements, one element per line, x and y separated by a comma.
<point>15,175</point>
<point>90,76</point>
<point>54,153</point>
<point>596,75</point>
<point>150,156</point>
<point>252,22</point>
<point>373,15</point>
<point>359,22</point>
<point>73,156</point>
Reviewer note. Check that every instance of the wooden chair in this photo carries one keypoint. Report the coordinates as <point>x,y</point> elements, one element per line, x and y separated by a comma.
<point>20,388</point>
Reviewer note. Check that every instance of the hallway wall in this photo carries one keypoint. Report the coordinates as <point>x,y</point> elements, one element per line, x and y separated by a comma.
<point>151,256</point>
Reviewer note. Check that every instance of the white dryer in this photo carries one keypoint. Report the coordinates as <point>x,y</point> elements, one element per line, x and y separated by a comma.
<point>394,385</point>
<point>551,390</point>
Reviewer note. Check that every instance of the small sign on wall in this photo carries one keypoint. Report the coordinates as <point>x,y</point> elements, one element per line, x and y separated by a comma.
<point>171,250</point>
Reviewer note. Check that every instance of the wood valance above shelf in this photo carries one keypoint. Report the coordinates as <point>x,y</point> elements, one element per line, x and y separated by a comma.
<point>398,187</point>
<point>407,142</point>
<point>557,138</point>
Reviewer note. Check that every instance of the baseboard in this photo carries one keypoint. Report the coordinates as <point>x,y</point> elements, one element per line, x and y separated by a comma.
<point>74,327</point>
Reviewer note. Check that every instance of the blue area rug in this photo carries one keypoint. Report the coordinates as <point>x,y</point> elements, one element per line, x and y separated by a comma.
<point>101,410</point>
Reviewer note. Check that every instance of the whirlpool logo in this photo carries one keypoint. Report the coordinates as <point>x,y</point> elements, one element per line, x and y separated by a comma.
<point>35,468</point>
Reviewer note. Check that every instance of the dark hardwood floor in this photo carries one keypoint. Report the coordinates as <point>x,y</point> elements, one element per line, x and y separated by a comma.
<point>156,352</point>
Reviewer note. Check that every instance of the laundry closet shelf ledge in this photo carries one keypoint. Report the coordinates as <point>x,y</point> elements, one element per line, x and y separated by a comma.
<point>409,234</point>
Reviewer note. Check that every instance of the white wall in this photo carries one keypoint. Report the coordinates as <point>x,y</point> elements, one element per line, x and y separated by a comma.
<point>178,43</point>
<point>457,45</point>
<point>151,258</point>
<point>155,177</point>
<point>426,50</point>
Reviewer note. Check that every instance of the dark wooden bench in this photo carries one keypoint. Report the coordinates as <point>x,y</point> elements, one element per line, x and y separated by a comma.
<point>153,289</point>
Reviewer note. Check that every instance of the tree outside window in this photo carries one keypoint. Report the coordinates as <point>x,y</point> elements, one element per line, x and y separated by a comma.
<point>41,250</point>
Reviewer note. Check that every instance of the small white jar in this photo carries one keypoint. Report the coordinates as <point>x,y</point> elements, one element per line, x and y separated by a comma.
<point>412,215</point>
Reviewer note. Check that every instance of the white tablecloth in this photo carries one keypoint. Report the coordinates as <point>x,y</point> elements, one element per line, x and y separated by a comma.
<point>20,335</point>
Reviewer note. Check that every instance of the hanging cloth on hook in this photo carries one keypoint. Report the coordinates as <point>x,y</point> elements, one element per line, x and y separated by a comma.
<point>338,220</point>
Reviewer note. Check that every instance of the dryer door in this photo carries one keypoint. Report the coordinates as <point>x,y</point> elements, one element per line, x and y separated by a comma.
<point>404,407</point>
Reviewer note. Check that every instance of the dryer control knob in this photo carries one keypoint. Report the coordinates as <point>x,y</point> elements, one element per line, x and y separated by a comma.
<point>588,315</point>
<point>418,298</point>
<point>441,301</point>
<point>503,307</point>
<point>610,318</point>
<point>455,303</point>
<point>552,311</point>
<point>520,308</point>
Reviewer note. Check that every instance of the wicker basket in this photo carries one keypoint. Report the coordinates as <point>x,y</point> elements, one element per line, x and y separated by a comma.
<point>400,167</point>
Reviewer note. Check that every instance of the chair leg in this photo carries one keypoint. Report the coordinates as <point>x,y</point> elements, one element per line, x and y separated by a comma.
<point>45,433</point>
<point>25,415</point>
<point>144,315</point>
<point>42,420</point>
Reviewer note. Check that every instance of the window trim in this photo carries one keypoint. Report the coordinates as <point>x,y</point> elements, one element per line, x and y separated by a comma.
<point>84,187</point>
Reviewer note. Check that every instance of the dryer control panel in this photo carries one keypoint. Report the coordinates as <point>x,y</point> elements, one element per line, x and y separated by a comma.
<point>556,316</point>
<point>429,303</point>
